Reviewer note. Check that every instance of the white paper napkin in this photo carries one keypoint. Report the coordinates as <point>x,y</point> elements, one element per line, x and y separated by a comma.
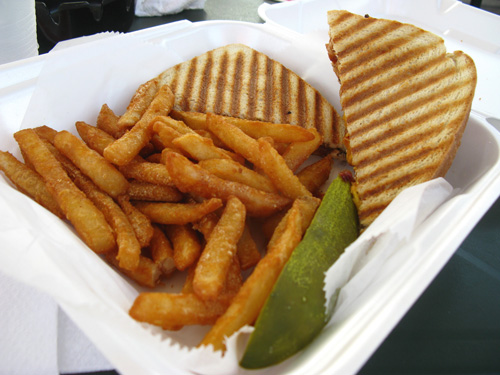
<point>149,8</point>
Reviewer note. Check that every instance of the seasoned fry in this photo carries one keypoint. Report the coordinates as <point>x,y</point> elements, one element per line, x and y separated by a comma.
<point>141,170</point>
<point>93,165</point>
<point>173,311</point>
<point>210,273</point>
<point>234,137</point>
<point>298,152</point>
<point>195,120</point>
<point>145,191</point>
<point>88,221</point>
<point>186,245</point>
<point>125,148</point>
<point>248,252</point>
<point>234,171</point>
<point>177,213</point>
<point>46,132</point>
<point>315,175</point>
<point>147,274</point>
<point>161,251</point>
<point>189,177</point>
<point>274,166</point>
<point>165,132</point>
<point>166,121</point>
<point>139,104</point>
<point>94,137</point>
<point>201,148</point>
<point>29,182</point>
<point>107,121</point>
<point>142,225</point>
<point>247,303</point>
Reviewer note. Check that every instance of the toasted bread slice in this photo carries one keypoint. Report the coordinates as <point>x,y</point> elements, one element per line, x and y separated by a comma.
<point>406,103</point>
<point>238,81</point>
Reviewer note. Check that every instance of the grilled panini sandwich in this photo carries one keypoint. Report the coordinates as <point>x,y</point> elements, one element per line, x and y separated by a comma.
<point>406,102</point>
<point>238,81</point>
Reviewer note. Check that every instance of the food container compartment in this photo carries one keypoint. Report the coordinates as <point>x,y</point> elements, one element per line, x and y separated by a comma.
<point>36,244</point>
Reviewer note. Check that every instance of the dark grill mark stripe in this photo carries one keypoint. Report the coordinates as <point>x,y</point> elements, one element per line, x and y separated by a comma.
<point>188,84</point>
<point>252,91</point>
<point>221,83</point>
<point>268,109</point>
<point>285,92</point>
<point>205,81</point>
<point>237,84</point>
<point>301,103</point>
<point>378,69</point>
<point>393,81</point>
<point>406,109</point>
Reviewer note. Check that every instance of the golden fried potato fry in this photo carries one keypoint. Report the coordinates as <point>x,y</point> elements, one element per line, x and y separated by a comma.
<point>233,137</point>
<point>107,121</point>
<point>298,152</point>
<point>177,213</point>
<point>145,191</point>
<point>201,148</point>
<point>248,251</point>
<point>235,171</point>
<point>128,146</point>
<point>93,165</point>
<point>216,257</point>
<point>275,167</point>
<point>195,120</point>
<point>139,104</point>
<point>28,182</point>
<point>46,132</point>
<point>186,245</point>
<point>147,274</point>
<point>191,178</point>
<point>141,170</point>
<point>248,302</point>
<point>142,225</point>
<point>161,251</point>
<point>173,311</point>
<point>316,174</point>
<point>94,137</point>
<point>87,219</point>
<point>179,126</point>
<point>129,248</point>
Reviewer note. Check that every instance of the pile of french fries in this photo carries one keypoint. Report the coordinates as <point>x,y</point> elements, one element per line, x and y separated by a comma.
<point>157,191</point>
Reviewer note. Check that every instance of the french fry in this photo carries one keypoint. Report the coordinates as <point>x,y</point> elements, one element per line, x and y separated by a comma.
<point>140,102</point>
<point>179,126</point>
<point>316,174</point>
<point>161,251</point>
<point>107,121</point>
<point>248,252</point>
<point>173,311</point>
<point>46,132</point>
<point>147,274</point>
<point>201,148</point>
<point>88,221</point>
<point>298,152</point>
<point>275,167</point>
<point>191,178</point>
<point>165,132</point>
<point>211,269</point>
<point>195,120</point>
<point>248,302</point>
<point>142,225</point>
<point>128,146</point>
<point>186,245</point>
<point>141,170</point>
<point>234,171</point>
<point>28,182</point>
<point>129,248</point>
<point>145,191</point>
<point>94,137</point>
<point>91,163</point>
<point>233,137</point>
<point>177,213</point>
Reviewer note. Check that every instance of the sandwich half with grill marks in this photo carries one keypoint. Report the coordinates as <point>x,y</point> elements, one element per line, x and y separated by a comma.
<point>406,103</point>
<point>238,81</point>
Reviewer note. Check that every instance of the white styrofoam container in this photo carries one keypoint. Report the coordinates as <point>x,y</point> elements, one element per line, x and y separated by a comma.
<point>98,302</point>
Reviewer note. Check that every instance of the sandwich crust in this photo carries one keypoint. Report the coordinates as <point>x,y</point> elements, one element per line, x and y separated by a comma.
<point>238,81</point>
<point>406,103</point>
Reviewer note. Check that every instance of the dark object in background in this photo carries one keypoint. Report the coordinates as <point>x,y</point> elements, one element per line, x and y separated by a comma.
<point>59,20</point>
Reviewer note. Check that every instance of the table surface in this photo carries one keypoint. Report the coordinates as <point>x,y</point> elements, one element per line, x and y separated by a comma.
<point>454,327</point>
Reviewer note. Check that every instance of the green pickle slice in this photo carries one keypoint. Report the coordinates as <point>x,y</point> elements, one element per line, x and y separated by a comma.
<point>294,312</point>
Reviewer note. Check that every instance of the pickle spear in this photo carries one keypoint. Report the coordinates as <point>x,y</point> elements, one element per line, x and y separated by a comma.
<point>294,312</point>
